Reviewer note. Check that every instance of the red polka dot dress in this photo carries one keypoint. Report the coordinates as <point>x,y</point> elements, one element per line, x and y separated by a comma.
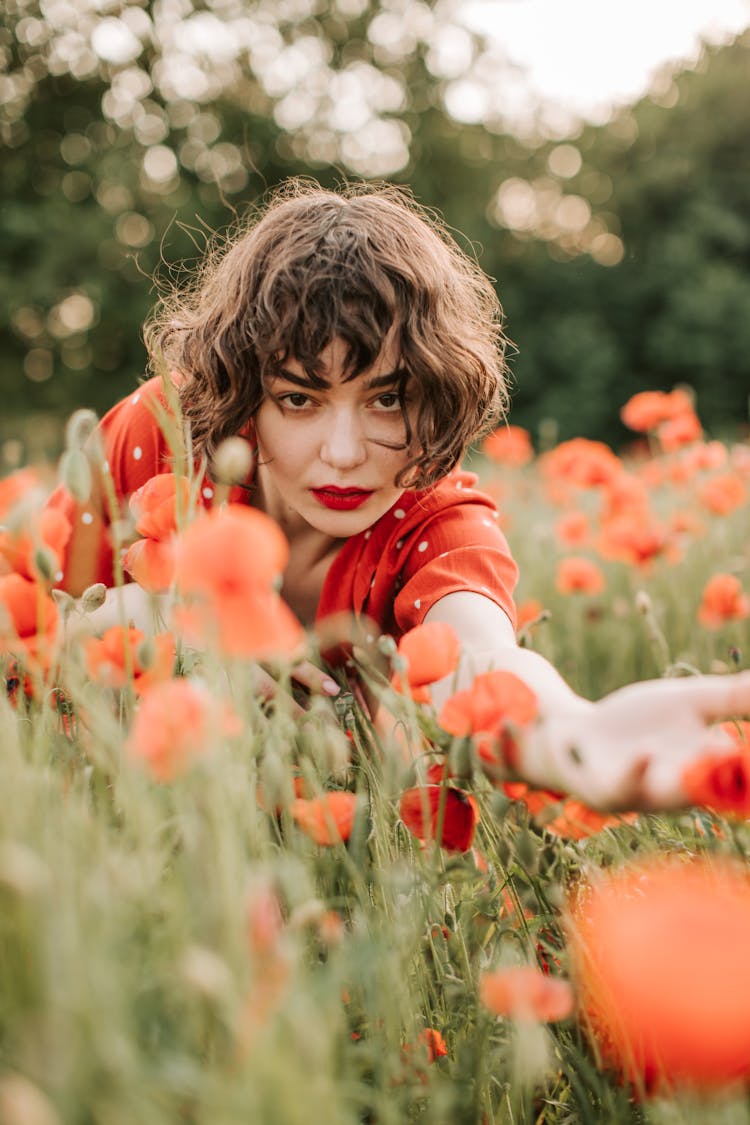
<point>431,543</point>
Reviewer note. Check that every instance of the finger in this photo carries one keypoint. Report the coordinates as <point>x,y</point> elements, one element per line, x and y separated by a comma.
<point>721,697</point>
<point>269,691</point>
<point>314,679</point>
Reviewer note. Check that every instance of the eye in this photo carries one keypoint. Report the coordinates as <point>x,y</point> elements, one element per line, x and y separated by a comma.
<point>389,400</point>
<point>295,399</point>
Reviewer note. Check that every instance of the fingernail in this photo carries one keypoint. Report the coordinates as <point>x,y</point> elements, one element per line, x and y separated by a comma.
<point>330,687</point>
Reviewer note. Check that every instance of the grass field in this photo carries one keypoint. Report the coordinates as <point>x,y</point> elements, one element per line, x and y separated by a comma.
<point>186,936</point>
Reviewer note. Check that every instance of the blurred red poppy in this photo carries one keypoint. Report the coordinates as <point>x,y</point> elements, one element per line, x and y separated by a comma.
<point>327,820</point>
<point>720,779</point>
<point>227,564</point>
<point>723,494</point>
<point>434,1043</point>
<point>526,994</point>
<point>431,652</point>
<point>15,487</point>
<point>28,621</point>
<point>582,462</point>
<point>723,600</point>
<point>681,430</point>
<point>150,561</point>
<point>509,445</point>
<point>659,953</point>
<point>174,726</point>
<point>493,700</point>
<point>649,409</point>
<point>122,652</point>
<point>579,575</point>
<point>573,529</point>
<point>419,808</point>
<point>156,505</point>
<point>636,539</point>
<point>577,821</point>
<point>47,531</point>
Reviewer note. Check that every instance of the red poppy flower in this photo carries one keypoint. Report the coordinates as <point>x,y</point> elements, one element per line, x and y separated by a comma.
<point>636,539</point>
<point>493,700</point>
<point>648,409</point>
<point>49,531</point>
<point>119,650</point>
<point>431,651</point>
<point>227,564</point>
<point>573,529</point>
<point>526,994</point>
<point>15,487</point>
<point>659,951</point>
<point>509,445</point>
<point>28,621</point>
<point>150,563</point>
<point>327,820</point>
<point>155,505</point>
<point>723,494</point>
<point>723,600</point>
<point>434,1043</point>
<point>582,462</point>
<point>720,781</point>
<point>174,726</point>
<point>535,800</point>
<point>578,575</point>
<point>577,821</point>
<point>681,430</point>
<point>419,808</point>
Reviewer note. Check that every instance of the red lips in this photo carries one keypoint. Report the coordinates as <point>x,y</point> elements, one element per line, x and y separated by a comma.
<point>341,499</point>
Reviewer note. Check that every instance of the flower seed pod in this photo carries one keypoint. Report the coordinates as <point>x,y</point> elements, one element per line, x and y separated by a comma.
<point>45,562</point>
<point>93,597</point>
<point>75,474</point>
<point>232,461</point>
<point>65,603</point>
<point>81,425</point>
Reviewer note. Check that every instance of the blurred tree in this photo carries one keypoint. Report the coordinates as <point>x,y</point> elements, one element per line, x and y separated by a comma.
<point>129,138</point>
<point>620,252</point>
<point>645,280</point>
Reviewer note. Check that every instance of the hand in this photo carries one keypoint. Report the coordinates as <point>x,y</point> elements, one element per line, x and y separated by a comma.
<point>629,750</point>
<point>306,675</point>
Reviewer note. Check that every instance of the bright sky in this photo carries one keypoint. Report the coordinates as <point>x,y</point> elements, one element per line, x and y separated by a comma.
<point>586,55</point>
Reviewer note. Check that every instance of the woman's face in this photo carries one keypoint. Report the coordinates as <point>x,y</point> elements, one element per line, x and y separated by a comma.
<point>321,463</point>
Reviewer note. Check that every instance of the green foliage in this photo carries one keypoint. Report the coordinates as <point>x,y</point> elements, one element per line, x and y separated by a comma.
<point>82,218</point>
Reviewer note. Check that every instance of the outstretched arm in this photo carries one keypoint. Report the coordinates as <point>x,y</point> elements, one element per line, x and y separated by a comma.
<point>626,751</point>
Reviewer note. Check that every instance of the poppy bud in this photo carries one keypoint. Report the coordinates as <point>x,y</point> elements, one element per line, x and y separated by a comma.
<point>65,603</point>
<point>45,562</point>
<point>232,461</point>
<point>75,474</point>
<point>93,597</point>
<point>81,425</point>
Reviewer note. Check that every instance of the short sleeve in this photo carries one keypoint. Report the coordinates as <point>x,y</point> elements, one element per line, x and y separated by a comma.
<point>134,450</point>
<point>459,549</point>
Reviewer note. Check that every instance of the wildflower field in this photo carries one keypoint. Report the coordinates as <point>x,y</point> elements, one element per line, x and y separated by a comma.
<point>218,907</point>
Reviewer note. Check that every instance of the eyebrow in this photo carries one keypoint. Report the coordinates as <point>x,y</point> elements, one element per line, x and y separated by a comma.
<point>386,380</point>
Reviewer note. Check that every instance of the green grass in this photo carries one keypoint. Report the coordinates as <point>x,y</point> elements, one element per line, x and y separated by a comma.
<point>132,989</point>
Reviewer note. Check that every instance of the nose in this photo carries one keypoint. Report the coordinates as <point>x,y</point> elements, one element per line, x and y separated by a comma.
<point>343,445</point>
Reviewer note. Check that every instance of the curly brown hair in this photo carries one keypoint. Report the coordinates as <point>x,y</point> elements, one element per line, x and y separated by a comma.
<point>354,264</point>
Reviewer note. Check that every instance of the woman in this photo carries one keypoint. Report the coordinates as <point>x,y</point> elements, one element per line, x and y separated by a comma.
<point>359,351</point>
